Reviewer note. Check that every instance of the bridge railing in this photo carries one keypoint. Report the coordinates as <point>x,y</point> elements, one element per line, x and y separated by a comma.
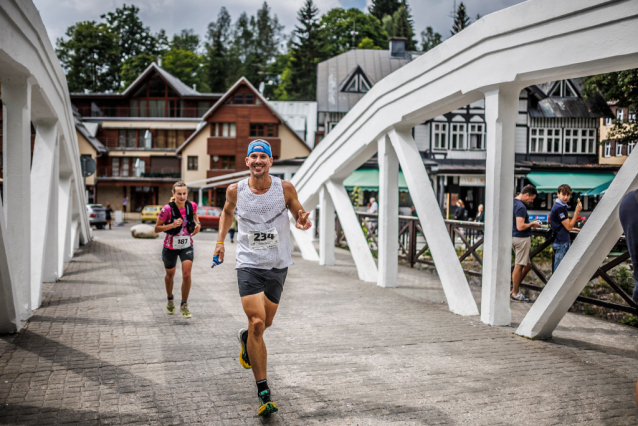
<point>468,239</point>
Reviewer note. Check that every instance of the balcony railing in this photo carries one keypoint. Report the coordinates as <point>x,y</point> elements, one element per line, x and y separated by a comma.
<point>140,143</point>
<point>128,112</point>
<point>468,238</point>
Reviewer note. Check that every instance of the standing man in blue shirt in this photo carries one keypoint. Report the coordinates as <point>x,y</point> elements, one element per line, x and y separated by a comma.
<point>522,240</point>
<point>562,224</point>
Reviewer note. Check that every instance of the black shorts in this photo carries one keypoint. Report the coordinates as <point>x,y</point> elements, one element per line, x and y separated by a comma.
<point>169,256</point>
<point>270,281</point>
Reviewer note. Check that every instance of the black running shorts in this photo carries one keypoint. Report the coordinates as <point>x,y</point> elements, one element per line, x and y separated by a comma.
<point>169,256</point>
<point>254,281</point>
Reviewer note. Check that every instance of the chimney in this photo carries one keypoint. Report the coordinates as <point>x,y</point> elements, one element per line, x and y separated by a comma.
<point>397,47</point>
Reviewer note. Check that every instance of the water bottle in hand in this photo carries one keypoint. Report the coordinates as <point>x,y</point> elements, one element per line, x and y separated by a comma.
<point>216,261</point>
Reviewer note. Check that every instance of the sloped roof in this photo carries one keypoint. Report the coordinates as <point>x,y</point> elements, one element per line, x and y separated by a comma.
<point>376,64</point>
<point>172,81</point>
<point>594,106</point>
<point>90,138</point>
<point>301,116</point>
<point>221,102</point>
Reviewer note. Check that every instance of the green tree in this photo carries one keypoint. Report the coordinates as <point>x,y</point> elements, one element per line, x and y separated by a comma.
<point>306,51</point>
<point>381,8</point>
<point>402,26</point>
<point>186,40</point>
<point>621,87</point>
<point>461,19</point>
<point>188,66</point>
<point>429,39</point>
<point>337,25</point>
<point>86,57</point>
<point>134,66</point>
<point>367,43</point>
<point>134,38</point>
<point>218,39</point>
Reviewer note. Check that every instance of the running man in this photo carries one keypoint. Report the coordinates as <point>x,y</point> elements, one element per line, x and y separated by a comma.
<point>178,243</point>
<point>261,203</point>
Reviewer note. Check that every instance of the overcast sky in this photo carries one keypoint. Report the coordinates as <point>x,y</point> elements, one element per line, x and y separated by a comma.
<point>175,15</point>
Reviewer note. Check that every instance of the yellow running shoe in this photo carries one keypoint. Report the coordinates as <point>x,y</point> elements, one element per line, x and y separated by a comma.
<point>267,407</point>
<point>242,336</point>
<point>170,307</point>
<point>184,310</point>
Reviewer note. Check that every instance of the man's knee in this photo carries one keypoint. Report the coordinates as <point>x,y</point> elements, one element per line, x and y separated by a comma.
<point>186,275</point>
<point>257,325</point>
<point>170,273</point>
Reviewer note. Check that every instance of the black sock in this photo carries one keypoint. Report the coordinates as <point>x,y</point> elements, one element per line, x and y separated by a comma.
<point>262,385</point>
<point>170,297</point>
<point>182,303</point>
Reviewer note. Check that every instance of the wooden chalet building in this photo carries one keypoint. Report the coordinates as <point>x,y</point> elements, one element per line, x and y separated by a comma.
<point>219,144</point>
<point>139,131</point>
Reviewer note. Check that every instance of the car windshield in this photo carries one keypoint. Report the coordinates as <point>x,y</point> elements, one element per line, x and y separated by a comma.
<point>201,212</point>
<point>215,212</point>
<point>150,209</point>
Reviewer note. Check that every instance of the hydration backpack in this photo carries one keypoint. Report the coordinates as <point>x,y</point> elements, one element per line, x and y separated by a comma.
<point>175,214</point>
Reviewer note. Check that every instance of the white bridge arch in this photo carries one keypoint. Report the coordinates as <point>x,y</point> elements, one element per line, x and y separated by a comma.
<point>43,219</point>
<point>495,58</point>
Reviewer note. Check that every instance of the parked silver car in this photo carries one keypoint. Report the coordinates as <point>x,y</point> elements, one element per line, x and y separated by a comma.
<point>97,215</point>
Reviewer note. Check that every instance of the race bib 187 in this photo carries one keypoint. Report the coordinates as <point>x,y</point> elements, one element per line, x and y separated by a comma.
<point>263,239</point>
<point>181,242</point>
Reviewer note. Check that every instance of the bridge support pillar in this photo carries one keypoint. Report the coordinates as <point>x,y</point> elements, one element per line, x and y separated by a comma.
<point>598,237</point>
<point>326,228</point>
<point>501,113</point>
<point>16,99</point>
<point>357,242</point>
<point>52,252</point>
<point>457,290</point>
<point>41,196</point>
<point>388,214</point>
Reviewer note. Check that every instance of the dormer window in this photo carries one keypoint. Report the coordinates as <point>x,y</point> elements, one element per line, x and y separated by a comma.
<point>563,89</point>
<point>358,82</point>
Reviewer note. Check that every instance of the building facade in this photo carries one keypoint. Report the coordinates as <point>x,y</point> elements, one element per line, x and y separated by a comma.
<point>610,151</point>
<point>218,145</point>
<point>140,130</point>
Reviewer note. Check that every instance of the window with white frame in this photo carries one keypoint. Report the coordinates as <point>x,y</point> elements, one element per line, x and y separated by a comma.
<point>477,136</point>
<point>545,141</point>
<point>619,114</point>
<point>632,117</point>
<point>457,136</point>
<point>609,121</point>
<point>440,135</point>
<point>537,140</point>
<point>618,149</point>
<point>587,141</point>
<point>607,151</point>
<point>571,141</point>
<point>630,147</point>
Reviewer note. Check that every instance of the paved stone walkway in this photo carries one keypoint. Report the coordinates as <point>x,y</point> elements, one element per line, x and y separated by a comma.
<point>102,350</point>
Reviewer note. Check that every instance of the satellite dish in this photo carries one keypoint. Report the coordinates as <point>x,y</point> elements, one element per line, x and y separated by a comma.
<point>88,166</point>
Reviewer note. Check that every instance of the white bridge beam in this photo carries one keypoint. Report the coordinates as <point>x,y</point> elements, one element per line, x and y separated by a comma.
<point>533,42</point>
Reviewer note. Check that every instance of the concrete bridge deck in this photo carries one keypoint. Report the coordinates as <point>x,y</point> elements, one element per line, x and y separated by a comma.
<point>102,350</point>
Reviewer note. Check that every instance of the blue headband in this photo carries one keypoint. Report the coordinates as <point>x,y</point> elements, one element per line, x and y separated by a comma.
<point>259,146</point>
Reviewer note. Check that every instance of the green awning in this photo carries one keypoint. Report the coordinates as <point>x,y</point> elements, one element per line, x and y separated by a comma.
<point>368,180</point>
<point>579,182</point>
<point>599,190</point>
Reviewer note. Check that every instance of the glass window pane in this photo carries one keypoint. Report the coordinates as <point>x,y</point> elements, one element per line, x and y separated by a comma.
<point>232,130</point>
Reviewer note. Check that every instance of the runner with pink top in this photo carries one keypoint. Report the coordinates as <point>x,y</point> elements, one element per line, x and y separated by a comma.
<point>180,222</point>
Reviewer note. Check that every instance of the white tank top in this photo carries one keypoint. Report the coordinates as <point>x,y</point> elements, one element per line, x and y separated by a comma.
<point>258,218</point>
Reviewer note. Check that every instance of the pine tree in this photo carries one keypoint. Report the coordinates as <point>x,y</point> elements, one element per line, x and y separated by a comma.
<point>461,19</point>
<point>305,53</point>
<point>217,51</point>
<point>402,26</point>
<point>429,39</point>
<point>381,8</point>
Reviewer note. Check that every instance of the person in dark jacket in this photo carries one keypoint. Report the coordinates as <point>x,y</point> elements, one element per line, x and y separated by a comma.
<point>480,216</point>
<point>460,213</point>
<point>562,224</point>
<point>109,218</point>
<point>628,213</point>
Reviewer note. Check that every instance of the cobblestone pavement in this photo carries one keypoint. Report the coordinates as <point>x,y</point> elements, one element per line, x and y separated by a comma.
<point>102,350</point>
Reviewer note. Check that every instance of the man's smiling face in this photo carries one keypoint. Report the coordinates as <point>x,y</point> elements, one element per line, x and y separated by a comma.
<point>259,163</point>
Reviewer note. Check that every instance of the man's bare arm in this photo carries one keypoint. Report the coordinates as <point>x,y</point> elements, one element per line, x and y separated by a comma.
<point>226,219</point>
<point>295,207</point>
